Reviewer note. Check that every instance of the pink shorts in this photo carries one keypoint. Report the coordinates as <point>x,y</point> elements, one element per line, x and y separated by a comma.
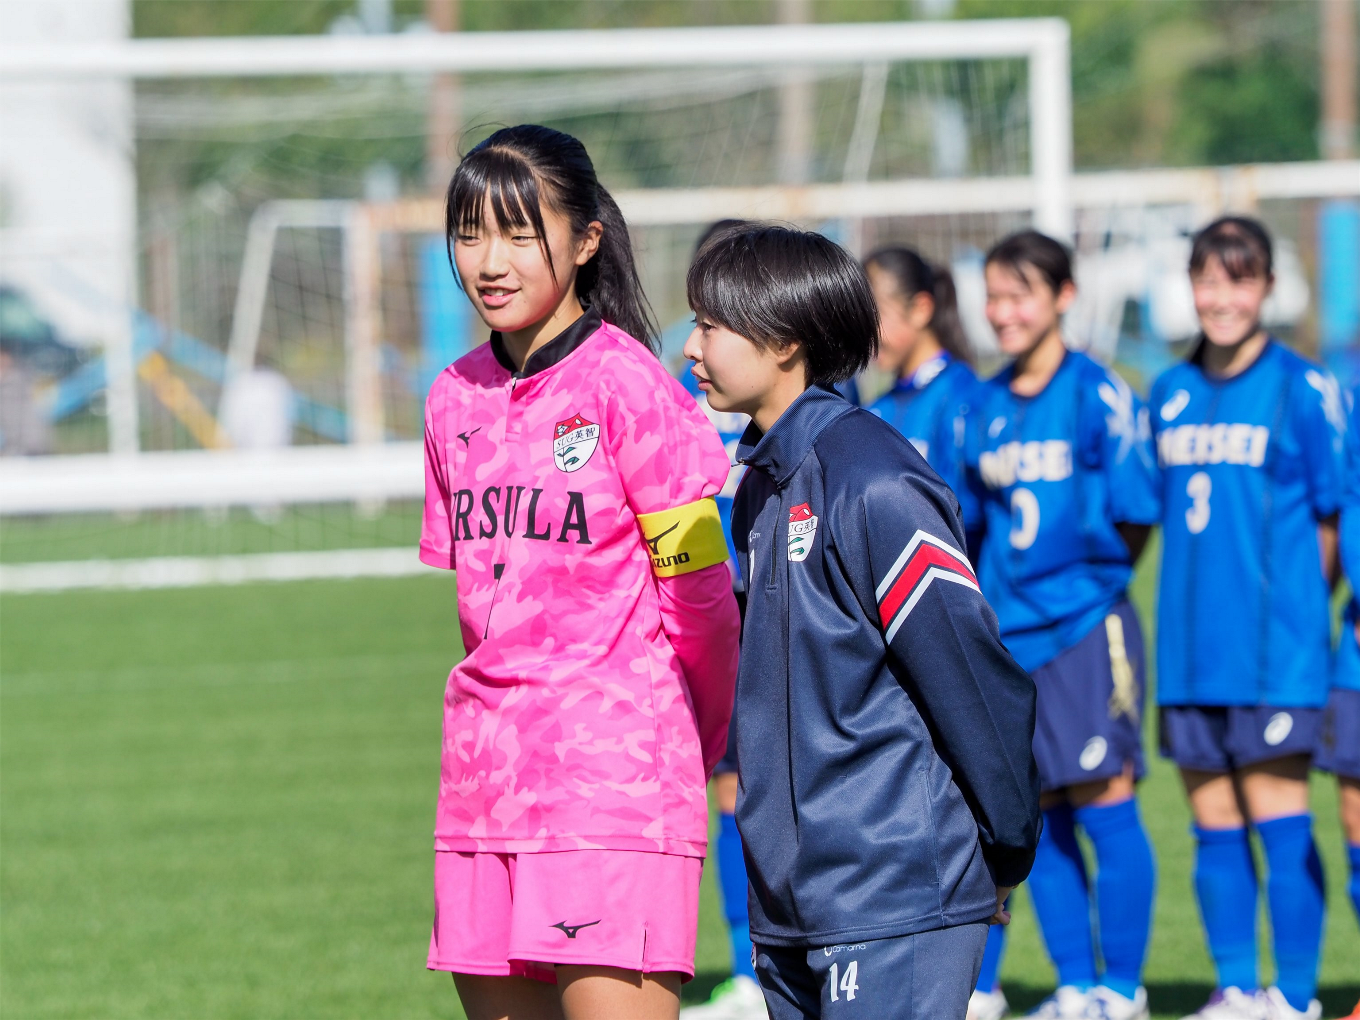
<point>518,914</point>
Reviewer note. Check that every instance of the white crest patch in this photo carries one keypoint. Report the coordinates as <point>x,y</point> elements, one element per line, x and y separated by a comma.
<point>1175,405</point>
<point>1093,753</point>
<point>802,532</point>
<point>574,441</point>
<point>1278,728</point>
<point>994,429</point>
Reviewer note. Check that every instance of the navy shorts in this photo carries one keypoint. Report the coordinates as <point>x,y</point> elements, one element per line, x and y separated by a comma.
<point>1225,738</point>
<point>1338,749</point>
<point>927,976</point>
<point>1088,724</point>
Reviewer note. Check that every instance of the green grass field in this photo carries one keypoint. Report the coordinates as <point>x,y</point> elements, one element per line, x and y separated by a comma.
<point>218,803</point>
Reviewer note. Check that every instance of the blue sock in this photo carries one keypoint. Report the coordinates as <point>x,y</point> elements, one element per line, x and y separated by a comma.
<point>1354,851</point>
<point>991,957</point>
<point>1225,882</point>
<point>1125,884</point>
<point>1062,899</point>
<point>1297,899</point>
<point>732,881</point>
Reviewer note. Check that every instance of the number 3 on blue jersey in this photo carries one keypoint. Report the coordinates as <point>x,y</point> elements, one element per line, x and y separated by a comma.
<point>1199,488</point>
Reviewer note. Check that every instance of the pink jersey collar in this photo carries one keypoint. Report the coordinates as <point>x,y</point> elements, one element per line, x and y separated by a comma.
<point>555,350</point>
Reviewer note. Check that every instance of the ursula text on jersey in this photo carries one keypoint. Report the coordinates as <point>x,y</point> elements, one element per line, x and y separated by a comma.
<point>1055,473</point>
<point>1250,465</point>
<point>884,732</point>
<point>594,598</point>
<point>930,408</point>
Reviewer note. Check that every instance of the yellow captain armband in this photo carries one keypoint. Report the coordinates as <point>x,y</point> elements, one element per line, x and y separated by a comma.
<point>685,538</point>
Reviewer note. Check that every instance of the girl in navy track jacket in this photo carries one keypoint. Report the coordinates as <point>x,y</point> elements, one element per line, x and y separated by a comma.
<point>888,793</point>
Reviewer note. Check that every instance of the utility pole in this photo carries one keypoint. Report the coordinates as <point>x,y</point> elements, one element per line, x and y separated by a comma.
<point>794,140</point>
<point>445,110</point>
<point>1338,79</point>
<point>1338,220</point>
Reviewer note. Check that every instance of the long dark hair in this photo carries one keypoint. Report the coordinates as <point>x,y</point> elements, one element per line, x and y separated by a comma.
<point>521,167</point>
<point>914,275</point>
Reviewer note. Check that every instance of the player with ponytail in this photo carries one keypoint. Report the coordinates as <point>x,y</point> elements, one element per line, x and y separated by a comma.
<point>570,482</point>
<point>921,341</point>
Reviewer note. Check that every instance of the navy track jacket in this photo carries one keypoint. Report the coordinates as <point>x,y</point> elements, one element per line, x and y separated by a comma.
<point>883,731</point>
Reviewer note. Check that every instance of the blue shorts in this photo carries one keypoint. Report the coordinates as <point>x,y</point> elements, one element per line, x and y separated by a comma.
<point>1225,738</point>
<point>1088,726</point>
<point>1338,749</point>
<point>926,976</point>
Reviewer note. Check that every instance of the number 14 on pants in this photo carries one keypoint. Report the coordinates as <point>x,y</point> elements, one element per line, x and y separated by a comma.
<point>848,983</point>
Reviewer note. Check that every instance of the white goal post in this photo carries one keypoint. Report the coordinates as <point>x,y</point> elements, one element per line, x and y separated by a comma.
<point>1043,42</point>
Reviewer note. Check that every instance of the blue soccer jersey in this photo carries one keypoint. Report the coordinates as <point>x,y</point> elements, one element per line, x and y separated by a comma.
<point>730,426</point>
<point>1054,474</point>
<point>1346,673</point>
<point>930,408</point>
<point>1250,465</point>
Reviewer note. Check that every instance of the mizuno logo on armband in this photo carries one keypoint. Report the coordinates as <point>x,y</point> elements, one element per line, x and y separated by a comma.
<point>685,538</point>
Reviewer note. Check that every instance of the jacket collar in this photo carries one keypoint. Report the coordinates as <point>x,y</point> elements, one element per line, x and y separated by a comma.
<point>554,350</point>
<point>779,451</point>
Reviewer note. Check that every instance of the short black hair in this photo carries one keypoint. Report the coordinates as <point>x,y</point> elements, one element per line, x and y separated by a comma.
<point>715,228</point>
<point>778,286</point>
<point>1240,243</point>
<point>1049,258</point>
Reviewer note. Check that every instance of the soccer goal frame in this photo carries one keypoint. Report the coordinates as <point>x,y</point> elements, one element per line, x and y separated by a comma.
<point>1045,190</point>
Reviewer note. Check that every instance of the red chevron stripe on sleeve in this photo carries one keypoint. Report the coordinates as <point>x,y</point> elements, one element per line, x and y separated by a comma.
<point>924,560</point>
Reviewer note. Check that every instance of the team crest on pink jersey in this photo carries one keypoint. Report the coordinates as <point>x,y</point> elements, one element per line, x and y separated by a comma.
<point>574,440</point>
<point>802,531</point>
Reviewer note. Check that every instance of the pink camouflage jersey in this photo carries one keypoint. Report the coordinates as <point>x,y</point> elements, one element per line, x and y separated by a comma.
<point>573,499</point>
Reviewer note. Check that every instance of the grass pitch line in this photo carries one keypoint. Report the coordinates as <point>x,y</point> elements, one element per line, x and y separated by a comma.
<point>196,571</point>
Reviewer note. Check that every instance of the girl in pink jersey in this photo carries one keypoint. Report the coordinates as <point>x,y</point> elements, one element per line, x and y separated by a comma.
<point>569,481</point>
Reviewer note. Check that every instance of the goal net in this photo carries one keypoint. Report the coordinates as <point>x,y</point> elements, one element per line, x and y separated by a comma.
<point>257,389</point>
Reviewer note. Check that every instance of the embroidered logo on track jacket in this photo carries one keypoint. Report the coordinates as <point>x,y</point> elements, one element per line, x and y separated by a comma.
<point>570,723</point>
<point>883,731</point>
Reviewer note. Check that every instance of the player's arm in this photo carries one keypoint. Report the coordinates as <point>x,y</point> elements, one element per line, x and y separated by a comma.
<point>698,611</point>
<point>1119,434</point>
<point>972,505</point>
<point>978,703</point>
<point>1320,425</point>
<point>1348,532</point>
<point>436,535</point>
<point>671,463</point>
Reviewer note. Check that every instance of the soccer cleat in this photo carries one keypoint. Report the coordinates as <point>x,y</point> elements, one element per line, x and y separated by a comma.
<point>1232,1003</point>
<point>1107,1004</point>
<point>1067,1003</point>
<point>1278,1007</point>
<point>737,998</point>
<point>1353,1014</point>
<point>987,1005</point>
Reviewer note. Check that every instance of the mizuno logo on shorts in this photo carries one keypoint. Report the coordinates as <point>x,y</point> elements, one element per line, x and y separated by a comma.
<point>570,930</point>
